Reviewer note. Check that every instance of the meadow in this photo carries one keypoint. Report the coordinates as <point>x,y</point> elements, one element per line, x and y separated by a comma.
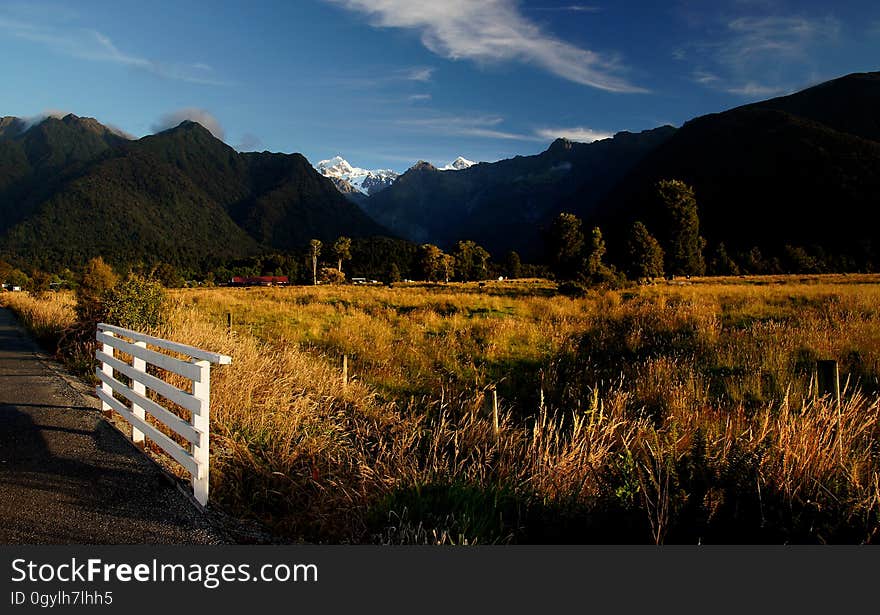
<point>679,412</point>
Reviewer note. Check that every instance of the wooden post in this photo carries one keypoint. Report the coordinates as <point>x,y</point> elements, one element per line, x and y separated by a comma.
<point>541,393</point>
<point>201,422</point>
<point>828,380</point>
<point>495,410</point>
<point>229,322</point>
<point>108,370</point>
<point>345,370</point>
<point>137,436</point>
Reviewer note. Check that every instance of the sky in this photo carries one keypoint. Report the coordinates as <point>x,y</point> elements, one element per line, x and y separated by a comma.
<point>386,83</point>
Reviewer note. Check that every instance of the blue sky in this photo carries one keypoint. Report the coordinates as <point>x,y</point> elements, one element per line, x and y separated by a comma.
<point>388,82</point>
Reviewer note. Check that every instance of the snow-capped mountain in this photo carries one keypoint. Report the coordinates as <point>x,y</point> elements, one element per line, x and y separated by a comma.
<point>364,181</point>
<point>458,164</point>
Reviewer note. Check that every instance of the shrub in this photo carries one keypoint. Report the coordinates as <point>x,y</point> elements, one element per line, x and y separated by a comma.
<point>137,303</point>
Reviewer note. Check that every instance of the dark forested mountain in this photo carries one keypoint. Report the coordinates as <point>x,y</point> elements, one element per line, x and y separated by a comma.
<point>801,170</point>
<point>71,189</point>
<point>503,205</point>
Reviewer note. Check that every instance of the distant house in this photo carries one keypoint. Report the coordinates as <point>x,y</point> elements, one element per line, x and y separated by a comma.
<point>359,280</point>
<point>262,280</point>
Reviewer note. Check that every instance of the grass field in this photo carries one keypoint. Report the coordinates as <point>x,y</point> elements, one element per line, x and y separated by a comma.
<point>677,412</point>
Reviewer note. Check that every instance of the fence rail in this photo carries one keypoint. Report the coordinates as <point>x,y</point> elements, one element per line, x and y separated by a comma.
<point>197,400</point>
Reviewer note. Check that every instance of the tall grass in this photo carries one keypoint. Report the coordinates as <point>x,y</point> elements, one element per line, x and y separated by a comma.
<point>671,413</point>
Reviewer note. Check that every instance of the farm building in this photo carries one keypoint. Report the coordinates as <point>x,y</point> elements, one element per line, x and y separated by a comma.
<point>262,280</point>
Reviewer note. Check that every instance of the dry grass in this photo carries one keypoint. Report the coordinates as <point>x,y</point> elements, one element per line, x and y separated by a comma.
<point>672,413</point>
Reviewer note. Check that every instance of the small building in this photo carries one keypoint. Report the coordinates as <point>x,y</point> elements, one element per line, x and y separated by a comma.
<point>261,280</point>
<point>359,280</point>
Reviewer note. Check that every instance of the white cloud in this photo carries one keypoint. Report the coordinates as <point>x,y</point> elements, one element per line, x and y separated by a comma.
<point>422,74</point>
<point>577,133</point>
<point>493,31</point>
<point>95,46</point>
<point>756,38</point>
<point>487,127</point>
<point>760,56</point>
<point>752,89</point>
<point>193,114</point>
<point>571,8</point>
<point>419,97</point>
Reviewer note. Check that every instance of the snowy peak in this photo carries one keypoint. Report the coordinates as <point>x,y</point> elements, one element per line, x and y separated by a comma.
<point>363,180</point>
<point>458,164</point>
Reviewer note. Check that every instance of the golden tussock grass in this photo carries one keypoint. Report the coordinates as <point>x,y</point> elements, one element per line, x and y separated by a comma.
<point>672,413</point>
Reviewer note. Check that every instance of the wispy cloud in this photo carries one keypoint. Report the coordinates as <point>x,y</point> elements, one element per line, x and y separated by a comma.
<point>576,133</point>
<point>493,31</point>
<point>193,114</point>
<point>88,44</point>
<point>249,143</point>
<point>752,89</point>
<point>755,38</point>
<point>493,127</point>
<point>755,56</point>
<point>571,8</point>
<point>487,127</point>
<point>419,97</point>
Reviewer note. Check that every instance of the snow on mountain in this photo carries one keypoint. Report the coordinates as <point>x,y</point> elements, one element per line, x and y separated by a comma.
<point>363,180</point>
<point>458,164</point>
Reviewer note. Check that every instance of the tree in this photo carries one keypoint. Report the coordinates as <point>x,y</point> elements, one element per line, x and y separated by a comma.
<point>512,265</point>
<point>471,261</point>
<point>315,251</point>
<point>645,254</point>
<point>393,274</point>
<point>435,264</point>
<point>342,250</point>
<point>596,271</point>
<point>447,266</point>
<point>721,262</point>
<point>565,246</point>
<point>684,246</point>
<point>98,279</point>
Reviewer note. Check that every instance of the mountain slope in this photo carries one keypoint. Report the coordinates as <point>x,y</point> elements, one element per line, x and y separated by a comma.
<point>502,205</point>
<point>180,196</point>
<point>766,177</point>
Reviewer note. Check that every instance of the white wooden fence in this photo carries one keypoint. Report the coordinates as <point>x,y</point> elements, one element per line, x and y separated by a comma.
<point>194,456</point>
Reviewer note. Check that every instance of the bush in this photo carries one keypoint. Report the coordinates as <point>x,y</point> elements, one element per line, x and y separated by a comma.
<point>331,275</point>
<point>138,303</point>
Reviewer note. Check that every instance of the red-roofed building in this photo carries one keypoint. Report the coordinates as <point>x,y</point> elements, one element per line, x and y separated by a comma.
<point>262,280</point>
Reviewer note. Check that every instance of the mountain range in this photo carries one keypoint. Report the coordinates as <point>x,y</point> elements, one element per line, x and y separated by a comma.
<point>71,189</point>
<point>798,170</point>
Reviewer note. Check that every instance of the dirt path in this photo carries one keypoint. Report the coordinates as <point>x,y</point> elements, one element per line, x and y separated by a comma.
<point>66,475</point>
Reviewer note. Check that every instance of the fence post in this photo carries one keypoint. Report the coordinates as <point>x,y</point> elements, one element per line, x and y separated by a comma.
<point>108,371</point>
<point>201,422</point>
<point>495,410</point>
<point>137,436</point>
<point>344,370</point>
<point>828,379</point>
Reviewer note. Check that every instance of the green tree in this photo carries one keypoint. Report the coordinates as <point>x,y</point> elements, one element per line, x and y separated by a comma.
<point>315,252</point>
<point>684,246</point>
<point>565,245</point>
<point>435,264</point>
<point>393,274</point>
<point>138,303</point>
<point>471,261</point>
<point>512,265</point>
<point>342,250</point>
<point>721,263</point>
<point>645,254</point>
<point>596,270</point>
